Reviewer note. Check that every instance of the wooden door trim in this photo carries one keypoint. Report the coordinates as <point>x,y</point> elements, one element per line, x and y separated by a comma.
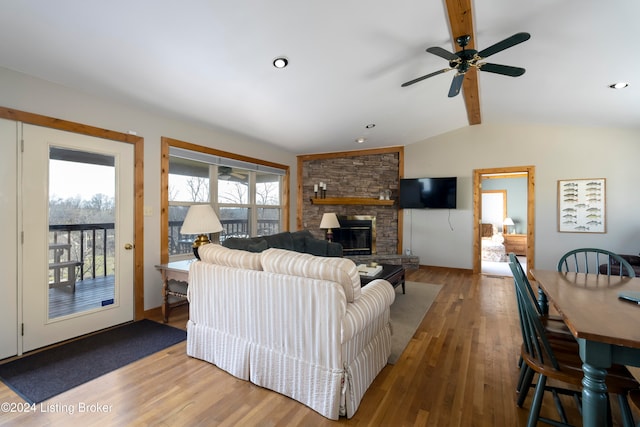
<point>138,142</point>
<point>477,210</point>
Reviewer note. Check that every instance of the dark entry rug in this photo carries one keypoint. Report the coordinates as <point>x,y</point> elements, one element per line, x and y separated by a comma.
<point>48,373</point>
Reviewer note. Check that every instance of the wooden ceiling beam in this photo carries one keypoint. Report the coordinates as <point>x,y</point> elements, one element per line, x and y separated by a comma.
<point>461,23</point>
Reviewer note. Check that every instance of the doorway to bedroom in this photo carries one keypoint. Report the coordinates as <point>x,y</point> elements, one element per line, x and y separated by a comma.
<point>503,219</point>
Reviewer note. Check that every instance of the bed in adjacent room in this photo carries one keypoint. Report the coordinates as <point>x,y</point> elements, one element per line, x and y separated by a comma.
<point>492,244</point>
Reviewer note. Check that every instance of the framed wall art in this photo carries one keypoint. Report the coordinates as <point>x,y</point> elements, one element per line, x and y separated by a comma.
<point>581,205</point>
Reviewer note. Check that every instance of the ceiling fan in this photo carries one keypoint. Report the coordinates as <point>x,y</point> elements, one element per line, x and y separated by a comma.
<point>465,59</point>
<point>226,173</point>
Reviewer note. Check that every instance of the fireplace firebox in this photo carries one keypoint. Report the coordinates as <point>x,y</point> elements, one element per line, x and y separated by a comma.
<point>357,234</point>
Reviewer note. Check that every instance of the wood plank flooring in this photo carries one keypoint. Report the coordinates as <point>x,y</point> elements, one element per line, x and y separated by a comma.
<point>458,370</point>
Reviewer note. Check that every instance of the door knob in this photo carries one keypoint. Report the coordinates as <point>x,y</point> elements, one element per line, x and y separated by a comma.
<point>128,246</point>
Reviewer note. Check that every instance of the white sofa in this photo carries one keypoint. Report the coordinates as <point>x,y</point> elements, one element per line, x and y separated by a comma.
<point>291,322</point>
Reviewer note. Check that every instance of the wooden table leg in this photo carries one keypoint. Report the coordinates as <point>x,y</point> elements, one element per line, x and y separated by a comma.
<point>165,297</point>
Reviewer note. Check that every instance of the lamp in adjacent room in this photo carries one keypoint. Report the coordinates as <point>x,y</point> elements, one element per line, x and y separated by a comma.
<point>200,220</point>
<point>329,221</point>
<point>508,222</point>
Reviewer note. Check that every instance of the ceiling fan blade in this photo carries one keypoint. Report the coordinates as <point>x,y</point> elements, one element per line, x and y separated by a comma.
<point>505,70</point>
<point>442,53</point>
<point>504,44</point>
<point>456,84</point>
<point>419,79</point>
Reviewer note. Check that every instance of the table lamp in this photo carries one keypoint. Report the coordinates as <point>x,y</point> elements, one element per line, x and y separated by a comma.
<point>329,221</point>
<point>200,220</point>
<point>508,222</point>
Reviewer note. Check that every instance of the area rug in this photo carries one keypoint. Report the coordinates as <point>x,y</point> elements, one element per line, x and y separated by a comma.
<point>48,373</point>
<point>407,312</point>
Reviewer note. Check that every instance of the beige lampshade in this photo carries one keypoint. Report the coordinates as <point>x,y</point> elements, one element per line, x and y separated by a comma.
<point>508,222</point>
<point>201,219</point>
<point>329,220</point>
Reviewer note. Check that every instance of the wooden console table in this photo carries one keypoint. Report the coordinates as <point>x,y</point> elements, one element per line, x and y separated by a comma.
<point>175,279</point>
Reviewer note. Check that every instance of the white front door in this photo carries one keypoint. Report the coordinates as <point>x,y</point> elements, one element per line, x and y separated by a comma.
<point>78,228</point>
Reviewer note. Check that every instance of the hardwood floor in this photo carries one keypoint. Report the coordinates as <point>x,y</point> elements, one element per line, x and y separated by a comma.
<point>458,370</point>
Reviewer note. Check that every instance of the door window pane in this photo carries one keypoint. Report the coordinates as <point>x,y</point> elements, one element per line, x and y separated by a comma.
<point>81,231</point>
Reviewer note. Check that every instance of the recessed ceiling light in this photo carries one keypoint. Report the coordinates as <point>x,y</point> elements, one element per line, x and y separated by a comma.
<point>280,62</point>
<point>619,85</point>
<point>360,140</point>
<point>370,126</point>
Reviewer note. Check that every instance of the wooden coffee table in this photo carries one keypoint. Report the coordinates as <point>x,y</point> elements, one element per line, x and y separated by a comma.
<point>393,274</point>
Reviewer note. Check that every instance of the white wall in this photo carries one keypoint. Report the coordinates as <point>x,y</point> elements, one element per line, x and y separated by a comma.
<point>22,92</point>
<point>557,153</point>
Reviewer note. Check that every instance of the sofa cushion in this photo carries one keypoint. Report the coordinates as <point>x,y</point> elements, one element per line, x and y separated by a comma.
<point>339,270</point>
<point>258,246</point>
<point>334,249</point>
<point>315,246</point>
<point>216,254</point>
<point>299,240</point>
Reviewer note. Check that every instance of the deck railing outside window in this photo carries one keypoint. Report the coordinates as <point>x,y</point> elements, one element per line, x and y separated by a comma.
<point>93,245</point>
<point>179,244</point>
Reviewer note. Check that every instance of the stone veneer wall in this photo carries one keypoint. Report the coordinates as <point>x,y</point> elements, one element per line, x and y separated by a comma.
<point>354,176</point>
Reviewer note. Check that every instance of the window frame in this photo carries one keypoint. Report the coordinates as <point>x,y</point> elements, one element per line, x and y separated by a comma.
<point>168,143</point>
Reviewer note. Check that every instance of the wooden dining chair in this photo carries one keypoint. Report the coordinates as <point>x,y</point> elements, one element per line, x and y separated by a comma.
<point>634,396</point>
<point>594,260</point>
<point>553,359</point>
<point>554,325</point>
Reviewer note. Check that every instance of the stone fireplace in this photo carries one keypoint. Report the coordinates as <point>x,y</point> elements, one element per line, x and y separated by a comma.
<point>354,182</point>
<point>357,234</point>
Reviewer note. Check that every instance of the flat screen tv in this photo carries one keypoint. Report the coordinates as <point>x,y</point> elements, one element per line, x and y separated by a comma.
<point>428,193</point>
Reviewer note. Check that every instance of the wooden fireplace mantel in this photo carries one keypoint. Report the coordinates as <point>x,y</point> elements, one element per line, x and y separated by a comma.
<point>351,201</point>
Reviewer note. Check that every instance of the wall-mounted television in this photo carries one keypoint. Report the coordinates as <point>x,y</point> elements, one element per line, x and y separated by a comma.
<point>428,193</point>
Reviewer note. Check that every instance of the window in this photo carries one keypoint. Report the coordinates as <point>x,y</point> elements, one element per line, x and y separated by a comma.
<point>247,197</point>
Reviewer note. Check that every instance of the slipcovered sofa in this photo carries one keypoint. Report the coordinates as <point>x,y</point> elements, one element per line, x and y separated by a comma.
<point>299,241</point>
<point>291,322</point>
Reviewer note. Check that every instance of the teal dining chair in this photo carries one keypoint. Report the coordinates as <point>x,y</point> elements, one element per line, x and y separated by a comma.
<point>594,260</point>
<point>634,396</point>
<point>552,359</point>
<point>554,325</point>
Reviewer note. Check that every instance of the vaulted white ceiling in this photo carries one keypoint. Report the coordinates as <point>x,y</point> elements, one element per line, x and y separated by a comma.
<point>210,62</point>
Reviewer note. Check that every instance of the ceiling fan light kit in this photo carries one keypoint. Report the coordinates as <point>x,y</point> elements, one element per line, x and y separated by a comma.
<point>465,59</point>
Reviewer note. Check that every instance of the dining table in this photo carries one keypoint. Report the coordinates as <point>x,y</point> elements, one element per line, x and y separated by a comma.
<point>606,327</point>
